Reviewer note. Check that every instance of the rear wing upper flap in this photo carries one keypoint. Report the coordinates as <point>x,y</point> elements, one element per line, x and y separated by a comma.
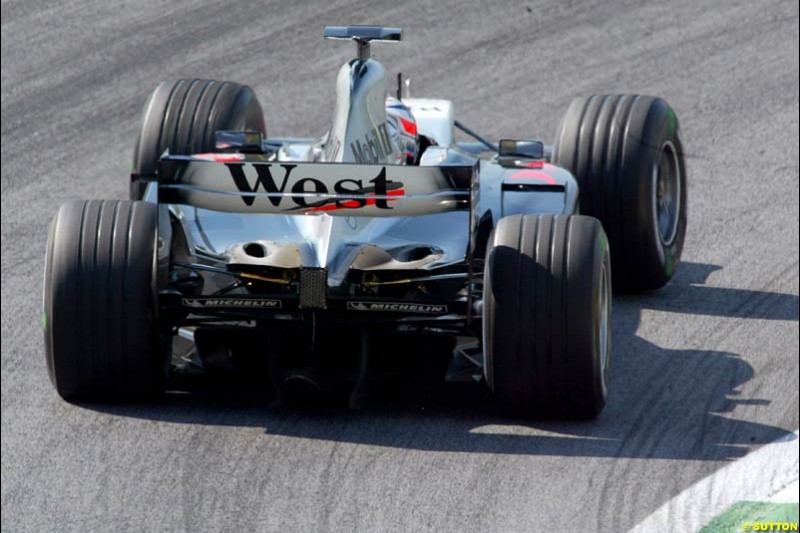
<point>241,183</point>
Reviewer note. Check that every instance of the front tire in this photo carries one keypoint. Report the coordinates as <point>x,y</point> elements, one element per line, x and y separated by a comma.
<point>626,154</point>
<point>100,327</point>
<point>183,116</point>
<point>547,315</point>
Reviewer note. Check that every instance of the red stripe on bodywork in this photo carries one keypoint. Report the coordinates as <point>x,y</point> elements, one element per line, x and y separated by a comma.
<point>354,204</point>
<point>535,175</point>
<point>220,158</point>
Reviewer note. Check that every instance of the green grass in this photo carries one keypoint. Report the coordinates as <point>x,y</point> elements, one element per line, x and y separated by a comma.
<point>750,513</point>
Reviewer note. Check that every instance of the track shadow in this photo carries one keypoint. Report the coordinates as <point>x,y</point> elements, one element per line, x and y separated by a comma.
<point>687,294</point>
<point>665,403</point>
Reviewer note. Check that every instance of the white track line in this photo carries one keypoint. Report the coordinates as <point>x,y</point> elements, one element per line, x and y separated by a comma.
<point>787,495</point>
<point>770,470</point>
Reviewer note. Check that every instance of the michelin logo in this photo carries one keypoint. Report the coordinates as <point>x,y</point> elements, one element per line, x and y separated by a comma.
<point>397,307</point>
<point>248,303</point>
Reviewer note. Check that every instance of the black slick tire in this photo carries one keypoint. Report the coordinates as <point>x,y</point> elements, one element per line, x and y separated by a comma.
<point>100,322</point>
<point>546,315</point>
<point>182,116</point>
<point>625,152</point>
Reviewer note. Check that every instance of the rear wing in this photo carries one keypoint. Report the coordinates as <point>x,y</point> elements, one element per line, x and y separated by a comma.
<point>245,183</point>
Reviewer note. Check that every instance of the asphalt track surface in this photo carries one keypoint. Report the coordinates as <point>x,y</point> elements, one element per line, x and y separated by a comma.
<point>705,371</point>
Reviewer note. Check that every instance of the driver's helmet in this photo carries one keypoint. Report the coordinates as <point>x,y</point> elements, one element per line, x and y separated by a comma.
<point>403,130</point>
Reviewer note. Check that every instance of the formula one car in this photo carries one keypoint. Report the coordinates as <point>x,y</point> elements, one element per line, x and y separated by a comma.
<point>316,260</point>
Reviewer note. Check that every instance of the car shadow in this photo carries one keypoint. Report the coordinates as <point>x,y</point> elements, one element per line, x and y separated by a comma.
<point>666,403</point>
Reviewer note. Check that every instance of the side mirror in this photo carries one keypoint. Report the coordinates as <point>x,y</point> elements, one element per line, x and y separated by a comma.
<point>248,142</point>
<point>526,149</point>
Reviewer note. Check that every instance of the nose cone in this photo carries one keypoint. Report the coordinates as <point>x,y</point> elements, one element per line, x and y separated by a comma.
<point>359,133</point>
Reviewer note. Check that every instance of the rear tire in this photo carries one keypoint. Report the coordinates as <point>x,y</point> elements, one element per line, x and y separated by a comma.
<point>182,116</point>
<point>547,315</point>
<point>100,327</point>
<point>626,154</point>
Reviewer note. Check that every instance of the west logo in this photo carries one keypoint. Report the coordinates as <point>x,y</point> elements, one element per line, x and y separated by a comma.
<point>264,180</point>
<point>279,182</point>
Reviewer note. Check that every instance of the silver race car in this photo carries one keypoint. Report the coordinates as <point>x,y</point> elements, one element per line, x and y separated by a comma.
<point>385,240</point>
